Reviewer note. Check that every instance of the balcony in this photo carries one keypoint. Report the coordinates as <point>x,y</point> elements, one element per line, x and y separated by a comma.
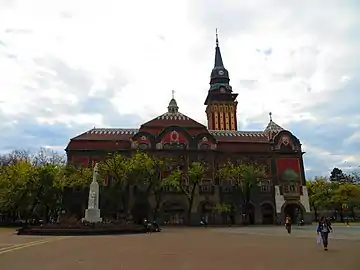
<point>291,191</point>
<point>265,186</point>
<point>171,190</point>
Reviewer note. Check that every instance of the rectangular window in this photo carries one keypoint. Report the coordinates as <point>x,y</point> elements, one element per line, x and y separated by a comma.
<point>205,188</point>
<point>205,182</point>
<point>265,186</point>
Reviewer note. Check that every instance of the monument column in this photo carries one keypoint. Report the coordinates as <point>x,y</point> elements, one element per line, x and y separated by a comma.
<point>92,213</point>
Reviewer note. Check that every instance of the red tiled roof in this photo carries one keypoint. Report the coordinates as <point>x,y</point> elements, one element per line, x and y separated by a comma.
<point>119,134</point>
<point>116,134</point>
<point>239,136</point>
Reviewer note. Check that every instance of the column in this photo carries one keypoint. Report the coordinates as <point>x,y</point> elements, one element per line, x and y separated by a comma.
<point>221,114</point>
<point>227,117</point>
<point>210,117</point>
<point>216,117</point>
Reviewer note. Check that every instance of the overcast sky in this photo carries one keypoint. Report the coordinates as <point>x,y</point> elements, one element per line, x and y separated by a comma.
<point>69,65</point>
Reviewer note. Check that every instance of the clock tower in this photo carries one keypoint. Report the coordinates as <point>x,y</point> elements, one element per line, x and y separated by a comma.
<point>220,102</point>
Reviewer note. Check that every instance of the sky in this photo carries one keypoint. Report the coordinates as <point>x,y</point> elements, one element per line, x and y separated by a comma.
<point>67,66</point>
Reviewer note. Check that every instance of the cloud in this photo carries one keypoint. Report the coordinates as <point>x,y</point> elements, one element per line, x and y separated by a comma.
<point>115,64</point>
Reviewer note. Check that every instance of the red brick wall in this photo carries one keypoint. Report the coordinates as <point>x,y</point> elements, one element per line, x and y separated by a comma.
<point>83,160</point>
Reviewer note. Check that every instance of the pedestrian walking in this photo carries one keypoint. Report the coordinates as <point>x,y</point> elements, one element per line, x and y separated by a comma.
<point>324,228</point>
<point>288,224</point>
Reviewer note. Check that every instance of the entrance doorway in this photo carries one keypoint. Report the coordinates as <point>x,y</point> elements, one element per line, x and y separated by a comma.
<point>251,214</point>
<point>206,212</point>
<point>294,211</point>
<point>174,214</point>
<point>140,211</point>
<point>267,213</point>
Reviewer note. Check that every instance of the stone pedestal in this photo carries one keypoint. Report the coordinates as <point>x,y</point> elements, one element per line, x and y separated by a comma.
<point>93,215</point>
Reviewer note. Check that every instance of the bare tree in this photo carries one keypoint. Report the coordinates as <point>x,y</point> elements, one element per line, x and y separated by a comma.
<point>46,156</point>
<point>14,156</point>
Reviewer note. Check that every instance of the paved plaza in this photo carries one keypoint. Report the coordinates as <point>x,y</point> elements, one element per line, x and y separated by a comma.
<point>185,248</point>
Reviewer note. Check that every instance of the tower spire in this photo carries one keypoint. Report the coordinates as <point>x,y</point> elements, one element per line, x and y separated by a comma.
<point>218,59</point>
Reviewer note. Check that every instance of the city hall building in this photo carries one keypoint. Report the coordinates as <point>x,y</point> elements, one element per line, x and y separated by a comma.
<point>174,133</point>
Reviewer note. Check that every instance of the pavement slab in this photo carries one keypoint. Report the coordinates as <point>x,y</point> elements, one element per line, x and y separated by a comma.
<point>254,248</point>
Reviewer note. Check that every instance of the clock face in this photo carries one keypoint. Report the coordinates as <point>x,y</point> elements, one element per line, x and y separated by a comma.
<point>222,89</point>
<point>221,72</point>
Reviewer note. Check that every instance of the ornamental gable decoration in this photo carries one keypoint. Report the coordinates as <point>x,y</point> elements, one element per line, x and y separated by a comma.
<point>285,142</point>
<point>173,140</point>
<point>174,137</point>
<point>206,144</point>
<point>142,142</point>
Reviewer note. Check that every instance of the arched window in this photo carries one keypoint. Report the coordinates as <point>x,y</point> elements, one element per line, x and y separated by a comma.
<point>143,146</point>
<point>204,146</point>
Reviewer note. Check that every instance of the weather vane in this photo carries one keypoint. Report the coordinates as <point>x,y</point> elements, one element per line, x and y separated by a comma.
<point>173,94</point>
<point>270,114</point>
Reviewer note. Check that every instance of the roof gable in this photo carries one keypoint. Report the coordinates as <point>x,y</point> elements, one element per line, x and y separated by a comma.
<point>173,119</point>
<point>273,127</point>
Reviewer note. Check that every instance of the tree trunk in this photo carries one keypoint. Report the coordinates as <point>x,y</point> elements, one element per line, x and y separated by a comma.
<point>245,216</point>
<point>316,214</point>
<point>47,213</point>
<point>341,214</point>
<point>157,206</point>
<point>191,201</point>
<point>246,205</point>
<point>188,215</point>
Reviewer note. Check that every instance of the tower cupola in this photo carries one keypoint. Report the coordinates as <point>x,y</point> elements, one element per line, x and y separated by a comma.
<point>173,107</point>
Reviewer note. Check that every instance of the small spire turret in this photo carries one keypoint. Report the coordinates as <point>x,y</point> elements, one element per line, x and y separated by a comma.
<point>272,128</point>
<point>173,107</point>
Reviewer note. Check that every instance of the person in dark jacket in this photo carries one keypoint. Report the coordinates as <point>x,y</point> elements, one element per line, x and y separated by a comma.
<point>156,226</point>
<point>324,228</point>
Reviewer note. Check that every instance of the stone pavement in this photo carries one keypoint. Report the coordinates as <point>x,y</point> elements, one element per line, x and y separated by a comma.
<point>252,248</point>
<point>340,232</point>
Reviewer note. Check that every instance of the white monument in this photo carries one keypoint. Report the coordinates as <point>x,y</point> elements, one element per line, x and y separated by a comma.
<point>92,213</point>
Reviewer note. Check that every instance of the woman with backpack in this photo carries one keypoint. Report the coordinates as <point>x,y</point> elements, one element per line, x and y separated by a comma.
<point>324,228</point>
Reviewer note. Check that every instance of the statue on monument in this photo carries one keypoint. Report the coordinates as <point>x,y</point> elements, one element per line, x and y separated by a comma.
<point>92,213</point>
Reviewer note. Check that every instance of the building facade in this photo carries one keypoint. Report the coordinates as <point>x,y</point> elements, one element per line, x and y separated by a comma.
<point>176,134</point>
